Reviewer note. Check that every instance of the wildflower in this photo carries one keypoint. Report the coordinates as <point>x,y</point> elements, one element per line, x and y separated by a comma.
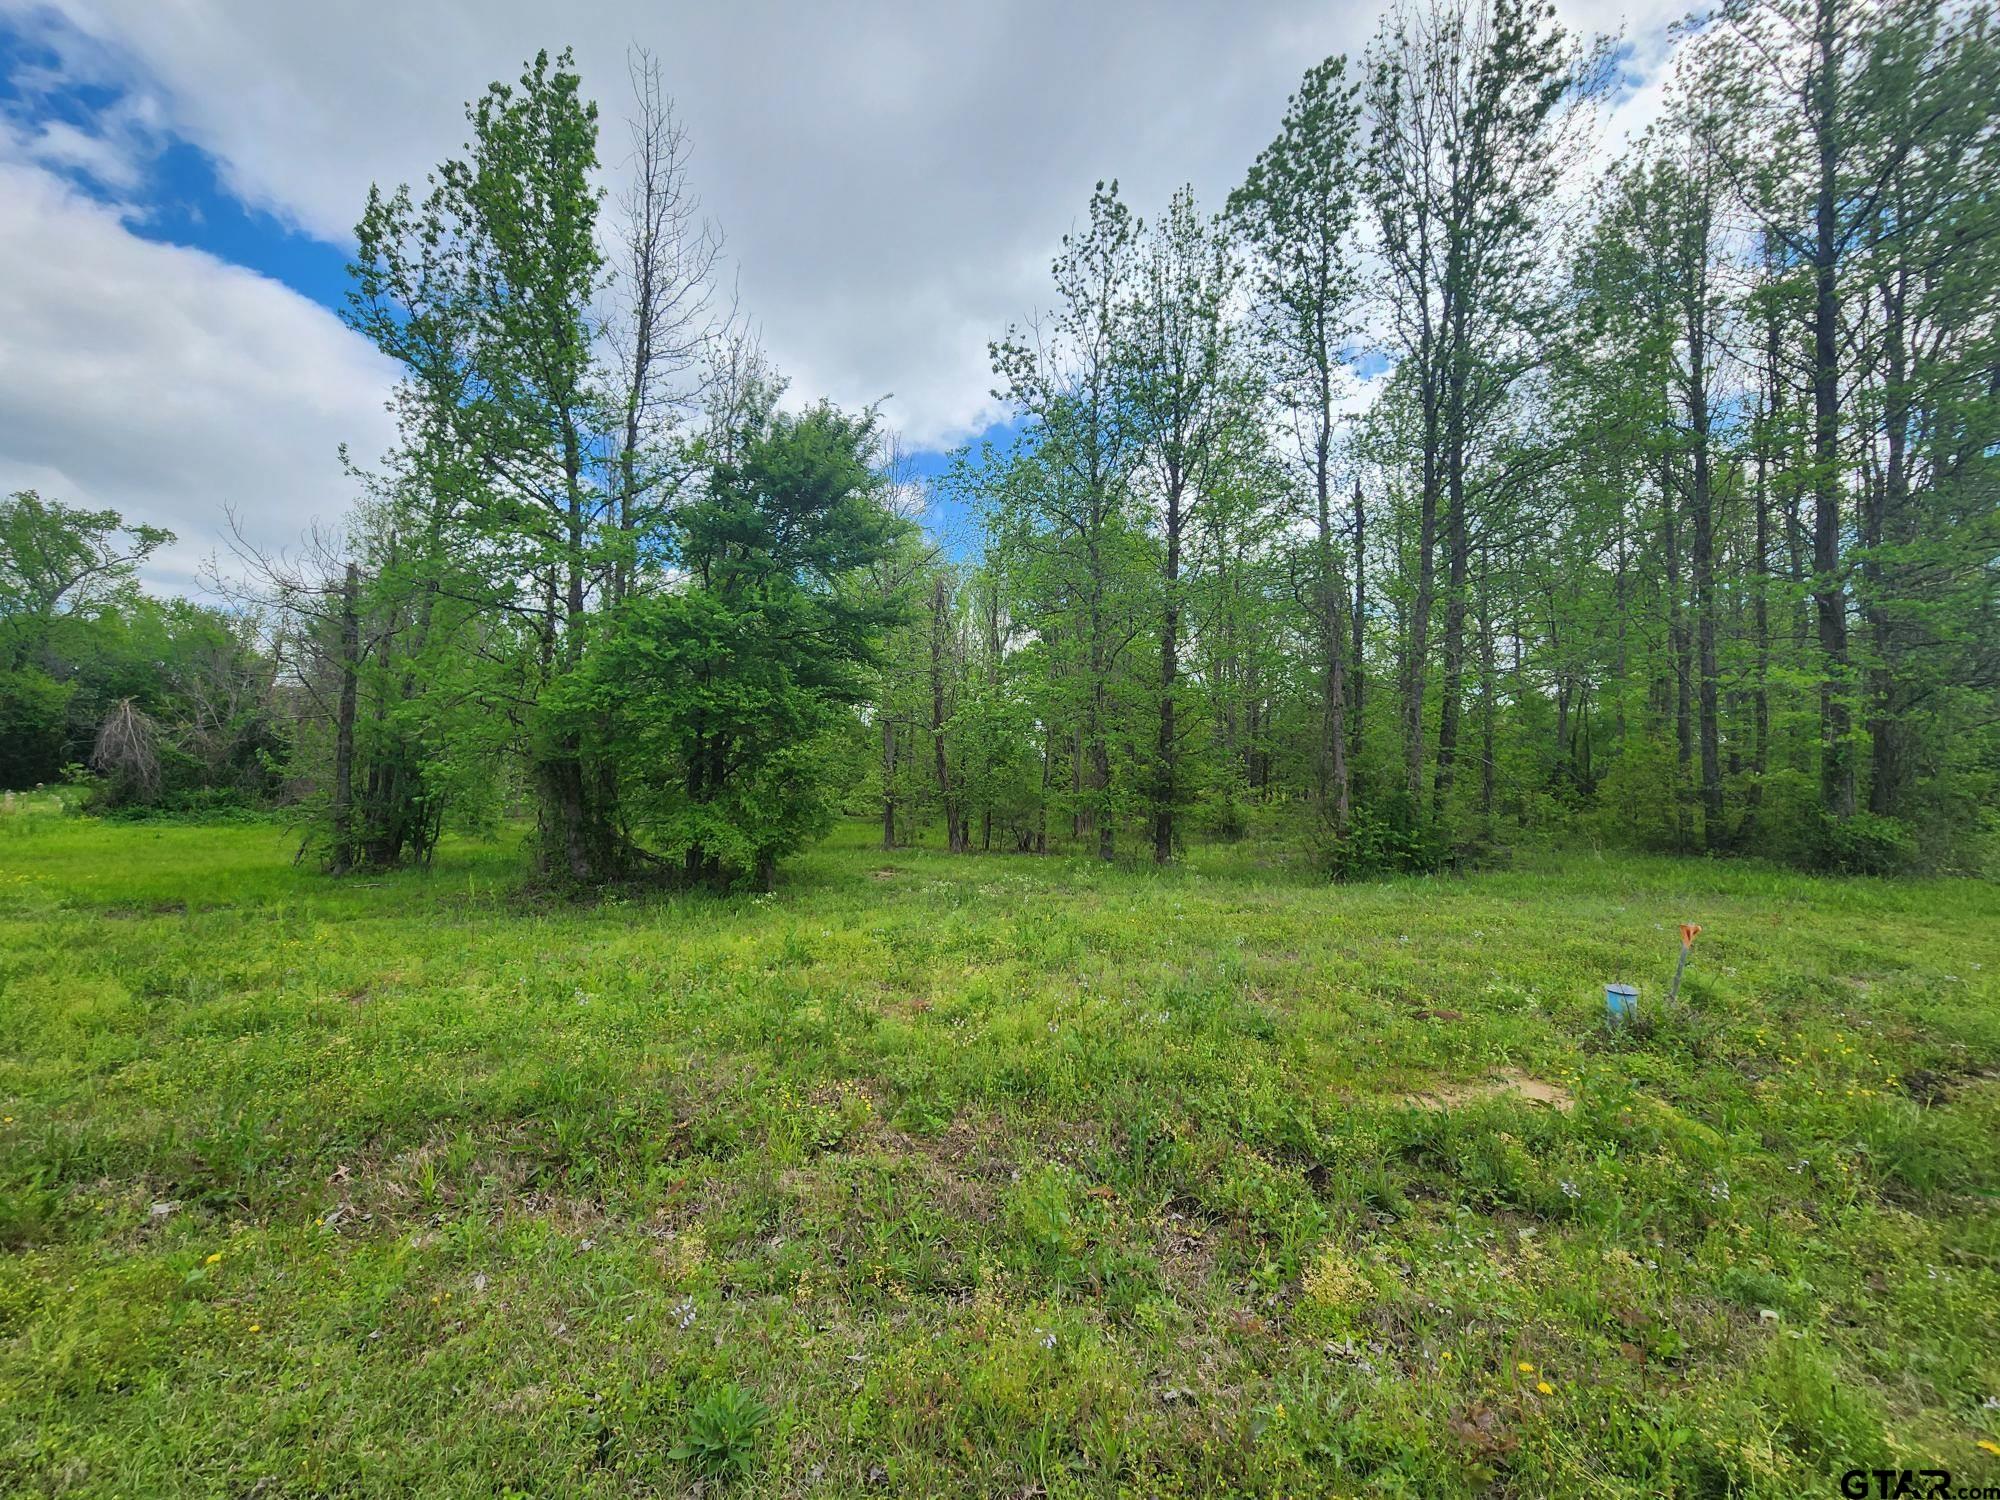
<point>1989,1445</point>
<point>1570,1189</point>
<point>1545,1388</point>
<point>1525,1368</point>
<point>1444,1355</point>
<point>213,1259</point>
<point>256,1327</point>
<point>1048,1338</point>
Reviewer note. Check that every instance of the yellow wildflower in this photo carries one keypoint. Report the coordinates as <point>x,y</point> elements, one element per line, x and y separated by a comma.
<point>213,1259</point>
<point>1525,1368</point>
<point>1989,1446</point>
<point>1545,1388</point>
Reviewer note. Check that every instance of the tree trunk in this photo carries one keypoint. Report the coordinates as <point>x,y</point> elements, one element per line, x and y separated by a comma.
<point>1760,702</point>
<point>1679,651</point>
<point>1704,586</point>
<point>1355,674</point>
<point>1890,761</point>
<point>1416,665</point>
<point>1333,688</point>
<point>1167,751</point>
<point>1099,730</point>
<point>1489,708</point>
<point>1457,532</point>
<point>1837,771</point>
<point>888,780</point>
<point>954,824</point>
<point>343,730</point>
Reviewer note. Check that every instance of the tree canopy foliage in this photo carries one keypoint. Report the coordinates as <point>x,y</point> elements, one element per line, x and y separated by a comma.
<point>1454,485</point>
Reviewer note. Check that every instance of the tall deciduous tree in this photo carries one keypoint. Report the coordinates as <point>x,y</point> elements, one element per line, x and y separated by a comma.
<point>1063,375</point>
<point>1297,210</point>
<point>1477,111</point>
<point>1187,396</point>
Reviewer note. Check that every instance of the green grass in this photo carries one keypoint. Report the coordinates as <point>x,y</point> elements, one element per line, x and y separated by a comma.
<point>934,1175</point>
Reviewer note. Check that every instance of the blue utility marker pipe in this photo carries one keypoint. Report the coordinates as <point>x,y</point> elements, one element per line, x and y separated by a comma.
<point>1621,1002</point>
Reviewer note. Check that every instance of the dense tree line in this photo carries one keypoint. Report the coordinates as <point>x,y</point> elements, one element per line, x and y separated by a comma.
<point>174,703</point>
<point>1446,487</point>
<point>1673,519</point>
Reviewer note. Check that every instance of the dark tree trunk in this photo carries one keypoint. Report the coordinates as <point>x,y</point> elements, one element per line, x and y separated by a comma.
<point>1356,676</point>
<point>1704,585</point>
<point>1457,537</point>
<point>954,822</point>
<point>343,857</point>
<point>1837,771</point>
<point>1416,666</point>
<point>1891,763</point>
<point>888,780</point>
<point>1167,751</point>
<point>1333,688</point>
<point>1489,708</point>
<point>1680,690</point>
<point>1760,702</point>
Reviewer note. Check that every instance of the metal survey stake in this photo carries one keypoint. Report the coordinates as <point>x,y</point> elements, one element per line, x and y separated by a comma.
<point>1689,932</point>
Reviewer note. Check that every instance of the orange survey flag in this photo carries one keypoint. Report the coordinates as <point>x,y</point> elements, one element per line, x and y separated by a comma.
<point>1689,932</point>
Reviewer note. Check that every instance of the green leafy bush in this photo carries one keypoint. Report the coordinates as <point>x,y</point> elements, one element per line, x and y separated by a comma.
<point>1389,837</point>
<point>1864,844</point>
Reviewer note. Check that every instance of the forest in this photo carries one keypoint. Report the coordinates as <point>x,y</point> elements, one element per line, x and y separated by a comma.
<point>1453,487</point>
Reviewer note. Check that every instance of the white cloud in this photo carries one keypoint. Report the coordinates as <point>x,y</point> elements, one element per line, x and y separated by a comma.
<point>893,178</point>
<point>167,384</point>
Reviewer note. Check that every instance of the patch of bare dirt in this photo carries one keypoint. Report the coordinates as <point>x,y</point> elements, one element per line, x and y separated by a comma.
<point>1537,1091</point>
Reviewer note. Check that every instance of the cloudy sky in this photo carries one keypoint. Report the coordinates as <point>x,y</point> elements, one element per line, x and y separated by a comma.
<point>179,178</point>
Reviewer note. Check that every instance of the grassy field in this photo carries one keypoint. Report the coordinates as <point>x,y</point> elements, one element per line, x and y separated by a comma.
<point>990,1175</point>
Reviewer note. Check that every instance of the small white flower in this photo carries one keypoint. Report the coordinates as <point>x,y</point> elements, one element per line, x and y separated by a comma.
<point>684,1313</point>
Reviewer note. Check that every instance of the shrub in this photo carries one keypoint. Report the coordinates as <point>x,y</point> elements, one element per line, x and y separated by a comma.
<point>1863,844</point>
<point>1643,799</point>
<point>1389,837</point>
